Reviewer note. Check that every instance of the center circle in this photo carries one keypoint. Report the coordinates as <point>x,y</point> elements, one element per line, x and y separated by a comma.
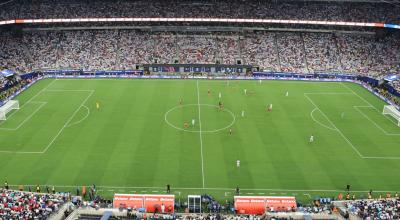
<point>213,119</point>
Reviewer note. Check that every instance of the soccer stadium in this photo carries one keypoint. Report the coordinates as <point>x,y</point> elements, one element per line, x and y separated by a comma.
<point>199,109</point>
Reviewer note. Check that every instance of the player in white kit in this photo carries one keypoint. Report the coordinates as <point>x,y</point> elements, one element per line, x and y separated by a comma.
<point>238,163</point>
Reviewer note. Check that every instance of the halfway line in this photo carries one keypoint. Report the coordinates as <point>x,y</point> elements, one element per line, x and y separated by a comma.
<point>201,139</point>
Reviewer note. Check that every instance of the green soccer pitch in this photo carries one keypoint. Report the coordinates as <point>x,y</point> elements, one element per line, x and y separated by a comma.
<point>136,142</point>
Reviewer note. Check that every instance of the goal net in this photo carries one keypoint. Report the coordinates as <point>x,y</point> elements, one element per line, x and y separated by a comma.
<point>391,110</point>
<point>6,108</point>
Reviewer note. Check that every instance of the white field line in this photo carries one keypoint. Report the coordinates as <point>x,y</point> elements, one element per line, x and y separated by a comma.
<point>27,118</point>
<point>340,132</point>
<point>385,158</point>
<point>373,122</point>
<point>197,131</point>
<point>200,135</point>
<point>214,189</point>
<point>68,121</point>
<point>30,100</point>
<point>312,116</point>
<point>62,128</point>
<point>328,93</point>
<point>87,115</point>
<point>69,90</point>
<point>366,102</point>
<point>20,152</point>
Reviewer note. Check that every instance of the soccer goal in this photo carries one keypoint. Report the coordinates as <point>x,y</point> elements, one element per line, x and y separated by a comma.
<point>6,108</point>
<point>391,110</point>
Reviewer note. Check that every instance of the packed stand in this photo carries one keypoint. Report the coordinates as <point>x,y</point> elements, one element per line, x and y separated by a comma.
<point>227,48</point>
<point>197,49</point>
<point>74,50</point>
<point>24,205</point>
<point>165,48</point>
<point>291,53</point>
<point>375,209</point>
<point>10,85</point>
<point>271,51</point>
<point>135,48</point>
<point>260,50</point>
<point>104,54</point>
<point>321,53</point>
<point>348,11</point>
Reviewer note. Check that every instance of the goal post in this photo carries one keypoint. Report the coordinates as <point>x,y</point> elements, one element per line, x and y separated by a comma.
<point>393,111</point>
<point>6,108</point>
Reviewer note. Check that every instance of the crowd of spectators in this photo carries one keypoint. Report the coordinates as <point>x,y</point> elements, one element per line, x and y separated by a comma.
<point>26,205</point>
<point>291,53</point>
<point>321,53</point>
<point>396,85</point>
<point>375,209</point>
<point>340,11</point>
<point>271,51</point>
<point>11,85</point>
<point>257,49</point>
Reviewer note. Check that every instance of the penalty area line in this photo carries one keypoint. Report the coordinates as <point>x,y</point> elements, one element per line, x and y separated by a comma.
<point>66,123</point>
<point>334,126</point>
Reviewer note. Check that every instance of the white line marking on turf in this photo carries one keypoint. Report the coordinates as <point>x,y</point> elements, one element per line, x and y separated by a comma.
<point>69,90</point>
<point>328,93</point>
<point>87,115</point>
<point>373,122</point>
<point>386,158</point>
<point>27,118</point>
<point>198,131</point>
<point>66,123</point>
<point>356,94</point>
<point>201,138</point>
<point>340,132</point>
<point>20,152</point>
<point>64,126</point>
<point>30,100</point>
<point>312,116</point>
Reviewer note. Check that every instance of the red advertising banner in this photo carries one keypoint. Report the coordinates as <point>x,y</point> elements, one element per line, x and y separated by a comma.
<point>128,200</point>
<point>249,205</point>
<point>152,203</point>
<point>259,204</point>
<point>281,203</point>
<point>156,203</point>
